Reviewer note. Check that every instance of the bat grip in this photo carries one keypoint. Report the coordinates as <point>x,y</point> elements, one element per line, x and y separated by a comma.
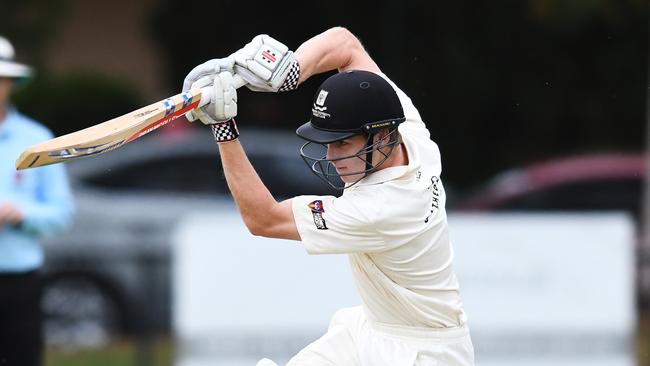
<point>207,92</point>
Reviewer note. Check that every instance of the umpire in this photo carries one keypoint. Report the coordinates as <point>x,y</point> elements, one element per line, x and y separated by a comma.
<point>33,203</point>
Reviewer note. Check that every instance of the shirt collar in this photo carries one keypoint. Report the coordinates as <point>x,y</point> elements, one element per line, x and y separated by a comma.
<point>384,175</point>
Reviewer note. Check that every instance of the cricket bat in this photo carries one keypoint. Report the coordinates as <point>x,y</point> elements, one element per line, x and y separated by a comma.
<point>116,132</point>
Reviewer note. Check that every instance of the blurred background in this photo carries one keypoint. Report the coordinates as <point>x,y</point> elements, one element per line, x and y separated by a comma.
<point>537,106</point>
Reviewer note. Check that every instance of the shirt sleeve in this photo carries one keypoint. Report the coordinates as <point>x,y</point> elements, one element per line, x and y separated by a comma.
<point>51,209</point>
<point>331,225</point>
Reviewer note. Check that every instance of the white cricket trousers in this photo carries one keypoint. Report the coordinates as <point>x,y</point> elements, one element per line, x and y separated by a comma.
<point>353,340</point>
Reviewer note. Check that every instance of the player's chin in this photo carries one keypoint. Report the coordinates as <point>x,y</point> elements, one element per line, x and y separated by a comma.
<point>351,178</point>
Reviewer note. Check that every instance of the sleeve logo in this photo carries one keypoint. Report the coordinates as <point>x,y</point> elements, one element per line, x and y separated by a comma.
<point>317,211</point>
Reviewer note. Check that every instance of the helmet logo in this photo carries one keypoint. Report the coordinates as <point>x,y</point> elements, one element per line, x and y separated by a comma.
<point>319,108</point>
<point>321,98</point>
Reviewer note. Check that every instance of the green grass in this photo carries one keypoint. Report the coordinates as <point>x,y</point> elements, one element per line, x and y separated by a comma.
<point>643,341</point>
<point>122,353</point>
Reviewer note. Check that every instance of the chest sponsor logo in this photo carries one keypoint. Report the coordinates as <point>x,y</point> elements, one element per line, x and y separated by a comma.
<point>317,211</point>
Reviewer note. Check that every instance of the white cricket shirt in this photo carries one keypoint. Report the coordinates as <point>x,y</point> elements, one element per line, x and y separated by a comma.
<point>393,226</point>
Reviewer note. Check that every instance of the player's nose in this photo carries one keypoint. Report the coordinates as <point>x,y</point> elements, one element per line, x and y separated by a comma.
<point>330,154</point>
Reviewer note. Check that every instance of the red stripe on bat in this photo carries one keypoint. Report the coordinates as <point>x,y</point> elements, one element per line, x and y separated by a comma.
<point>161,122</point>
<point>268,55</point>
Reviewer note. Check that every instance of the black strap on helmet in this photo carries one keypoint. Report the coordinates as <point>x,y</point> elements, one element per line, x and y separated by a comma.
<point>372,128</point>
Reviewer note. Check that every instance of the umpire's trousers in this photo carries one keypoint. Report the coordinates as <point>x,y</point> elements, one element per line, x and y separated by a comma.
<point>21,339</point>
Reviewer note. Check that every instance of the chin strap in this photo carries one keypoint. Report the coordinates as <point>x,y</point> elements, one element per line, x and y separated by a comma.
<point>393,141</point>
<point>369,165</point>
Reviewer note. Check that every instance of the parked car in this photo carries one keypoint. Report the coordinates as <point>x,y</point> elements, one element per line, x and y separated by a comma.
<point>110,274</point>
<point>577,183</point>
<point>594,182</point>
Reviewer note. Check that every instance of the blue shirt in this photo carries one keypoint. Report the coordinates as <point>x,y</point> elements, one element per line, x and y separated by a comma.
<point>41,194</point>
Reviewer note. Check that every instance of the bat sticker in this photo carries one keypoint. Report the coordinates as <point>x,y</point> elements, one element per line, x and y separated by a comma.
<point>187,99</point>
<point>84,151</point>
<point>145,113</point>
<point>169,106</point>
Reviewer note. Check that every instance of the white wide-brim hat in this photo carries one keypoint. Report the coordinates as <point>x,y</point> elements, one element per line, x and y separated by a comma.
<point>8,67</point>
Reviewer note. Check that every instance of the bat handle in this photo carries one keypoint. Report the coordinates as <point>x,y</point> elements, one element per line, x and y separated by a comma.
<point>206,92</point>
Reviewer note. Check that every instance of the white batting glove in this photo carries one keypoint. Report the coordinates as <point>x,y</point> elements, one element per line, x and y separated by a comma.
<point>208,68</point>
<point>267,65</point>
<point>223,101</point>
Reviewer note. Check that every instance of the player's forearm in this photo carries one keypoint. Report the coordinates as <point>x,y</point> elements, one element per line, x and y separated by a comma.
<point>253,199</point>
<point>250,194</point>
<point>333,49</point>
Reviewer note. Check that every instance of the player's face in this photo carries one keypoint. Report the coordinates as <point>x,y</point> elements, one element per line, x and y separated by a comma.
<point>343,148</point>
<point>5,89</point>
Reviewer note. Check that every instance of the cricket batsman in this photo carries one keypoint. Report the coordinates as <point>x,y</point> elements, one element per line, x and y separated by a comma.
<point>365,137</point>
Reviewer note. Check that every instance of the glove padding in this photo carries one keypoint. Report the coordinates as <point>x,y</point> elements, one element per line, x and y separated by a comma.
<point>209,68</point>
<point>223,101</point>
<point>264,64</point>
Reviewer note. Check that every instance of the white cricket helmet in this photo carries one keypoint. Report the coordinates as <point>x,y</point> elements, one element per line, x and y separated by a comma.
<point>8,67</point>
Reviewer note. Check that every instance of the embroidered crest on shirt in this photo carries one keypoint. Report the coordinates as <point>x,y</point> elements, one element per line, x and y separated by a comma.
<point>317,211</point>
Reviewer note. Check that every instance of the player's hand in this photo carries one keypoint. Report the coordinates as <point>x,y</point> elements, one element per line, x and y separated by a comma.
<point>209,68</point>
<point>267,65</point>
<point>223,101</point>
<point>10,214</point>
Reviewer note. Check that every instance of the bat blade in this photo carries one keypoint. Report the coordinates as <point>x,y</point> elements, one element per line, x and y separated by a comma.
<point>111,134</point>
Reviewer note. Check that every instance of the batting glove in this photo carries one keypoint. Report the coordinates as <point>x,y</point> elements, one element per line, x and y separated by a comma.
<point>209,68</point>
<point>267,65</point>
<point>222,105</point>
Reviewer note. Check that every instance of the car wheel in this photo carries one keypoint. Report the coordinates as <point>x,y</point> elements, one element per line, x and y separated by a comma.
<point>79,313</point>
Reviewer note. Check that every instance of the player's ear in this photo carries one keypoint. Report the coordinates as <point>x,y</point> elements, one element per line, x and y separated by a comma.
<point>383,135</point>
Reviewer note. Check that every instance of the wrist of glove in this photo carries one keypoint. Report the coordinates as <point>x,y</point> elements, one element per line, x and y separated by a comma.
<point>291,81</point>
<point>267,65</point>
<point>225,131</point>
